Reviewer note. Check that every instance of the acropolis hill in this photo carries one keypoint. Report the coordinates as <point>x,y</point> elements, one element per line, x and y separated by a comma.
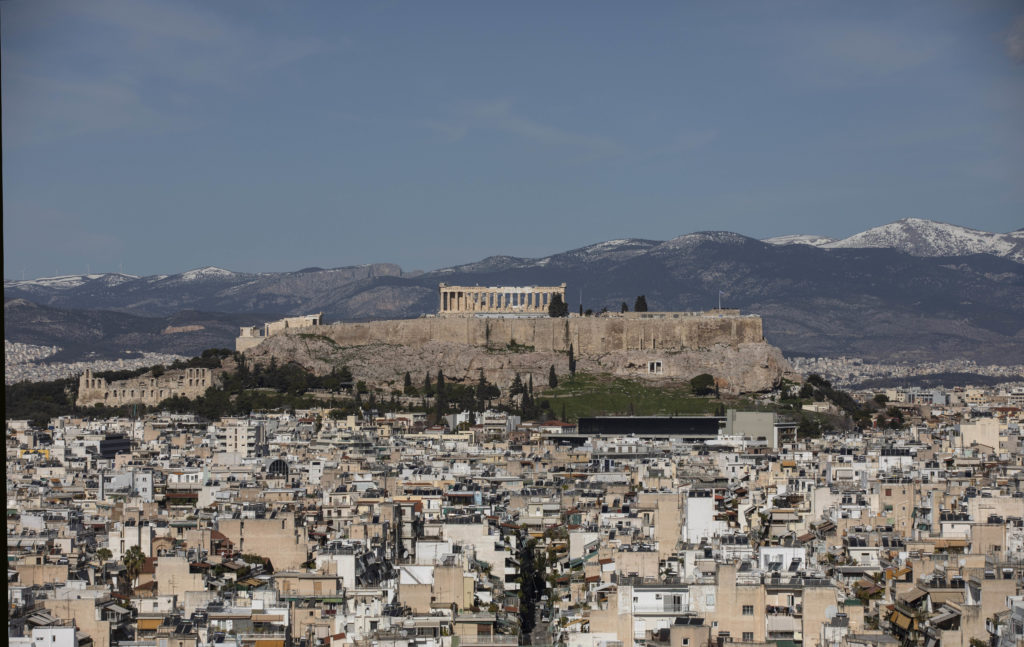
<point>505,331</point>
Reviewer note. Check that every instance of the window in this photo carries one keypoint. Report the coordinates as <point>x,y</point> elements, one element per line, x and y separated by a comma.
<point>748,609</point>
<point>686,641</point>
<point>748,636</point>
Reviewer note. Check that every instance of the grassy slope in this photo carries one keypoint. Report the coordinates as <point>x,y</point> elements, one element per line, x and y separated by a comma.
<point>592,395</point>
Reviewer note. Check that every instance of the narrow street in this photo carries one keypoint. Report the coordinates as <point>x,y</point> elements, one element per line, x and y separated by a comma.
<point>540,634</point>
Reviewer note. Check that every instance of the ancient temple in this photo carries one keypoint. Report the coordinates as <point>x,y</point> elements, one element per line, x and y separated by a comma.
<point>525,300</point>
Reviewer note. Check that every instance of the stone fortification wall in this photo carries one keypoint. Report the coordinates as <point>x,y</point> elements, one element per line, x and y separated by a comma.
<point>145,389</point>
<point>666,332</point>
<point>250,336</point>
<point>641,345</point>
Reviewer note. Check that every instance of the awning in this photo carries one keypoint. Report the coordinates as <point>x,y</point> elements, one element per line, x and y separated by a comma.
<point>903,621</point>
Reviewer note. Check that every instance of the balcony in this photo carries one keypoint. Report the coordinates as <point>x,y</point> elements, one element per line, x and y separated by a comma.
<point>658,609</point>
<point>261,640</point>
<point>487,640</point>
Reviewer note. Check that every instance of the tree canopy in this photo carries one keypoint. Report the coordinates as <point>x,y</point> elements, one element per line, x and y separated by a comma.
<point>703,384</point>
<point>558,307</point>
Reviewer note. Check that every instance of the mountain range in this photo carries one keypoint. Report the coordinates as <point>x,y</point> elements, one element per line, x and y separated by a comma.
<point>919,237</point>
<point>912,290</point>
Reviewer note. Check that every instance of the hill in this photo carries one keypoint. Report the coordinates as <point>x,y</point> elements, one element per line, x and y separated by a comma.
<point>881,298</point>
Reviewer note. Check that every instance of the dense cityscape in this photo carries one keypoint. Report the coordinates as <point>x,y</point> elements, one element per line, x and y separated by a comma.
<point>436,515</point>
<point>502,324</point>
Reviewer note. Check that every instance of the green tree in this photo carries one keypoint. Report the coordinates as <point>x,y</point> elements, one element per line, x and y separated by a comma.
<point>641,304</point>
<point>703,384</point>
<point>896,419</point>
<point>345,375</point>
<point>517,386</point>
<point>104,555</point>
<point>558,307</point>
<point>623,307</point>
<point>807,428</point>
<point>572,362</point>
<point>133,560</point>
<point>482,391</point>
<point>428,388</point>
<point>552,378</point>
<point>407,387</point>
<point>441,402</point>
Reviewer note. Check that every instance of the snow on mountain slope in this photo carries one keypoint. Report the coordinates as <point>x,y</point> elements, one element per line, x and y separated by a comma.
<point>688,241</point>
<point>919,237</point>
<point>70,281</point>
<point>209,272</point>
<point>610,250</point>
<point>800,239</point>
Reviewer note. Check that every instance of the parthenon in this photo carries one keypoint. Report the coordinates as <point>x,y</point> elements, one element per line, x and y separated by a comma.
<point>465,300</point>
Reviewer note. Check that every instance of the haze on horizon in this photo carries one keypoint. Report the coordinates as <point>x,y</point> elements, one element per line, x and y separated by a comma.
<point>265,136</point>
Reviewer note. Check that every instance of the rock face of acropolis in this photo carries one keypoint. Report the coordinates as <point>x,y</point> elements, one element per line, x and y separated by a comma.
<point>654,345</point>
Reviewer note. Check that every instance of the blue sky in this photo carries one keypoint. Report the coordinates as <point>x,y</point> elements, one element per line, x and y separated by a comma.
<point>268,136</point>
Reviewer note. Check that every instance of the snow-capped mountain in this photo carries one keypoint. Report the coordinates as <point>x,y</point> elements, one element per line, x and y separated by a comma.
<point>209,272</point>
<point>920,237</point>
<point>609,250</point>
<point>71,281</point>
<point>680,244</point>
<point>821,297</point>
<point>800,239</point>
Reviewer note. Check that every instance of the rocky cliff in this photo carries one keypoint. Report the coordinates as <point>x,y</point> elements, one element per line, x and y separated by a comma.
<point>729,348</point>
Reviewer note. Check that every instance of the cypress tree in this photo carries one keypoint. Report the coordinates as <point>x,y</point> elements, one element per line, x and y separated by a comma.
<point>441,403</point>
<point>558,307</point>
<point>481,391</point>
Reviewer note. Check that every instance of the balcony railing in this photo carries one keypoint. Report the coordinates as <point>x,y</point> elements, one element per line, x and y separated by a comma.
<point>493,639</point>
<point>661,608</point>
<point>252,638</point>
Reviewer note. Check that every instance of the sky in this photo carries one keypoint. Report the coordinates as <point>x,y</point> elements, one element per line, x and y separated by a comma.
<point>156,137</point>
